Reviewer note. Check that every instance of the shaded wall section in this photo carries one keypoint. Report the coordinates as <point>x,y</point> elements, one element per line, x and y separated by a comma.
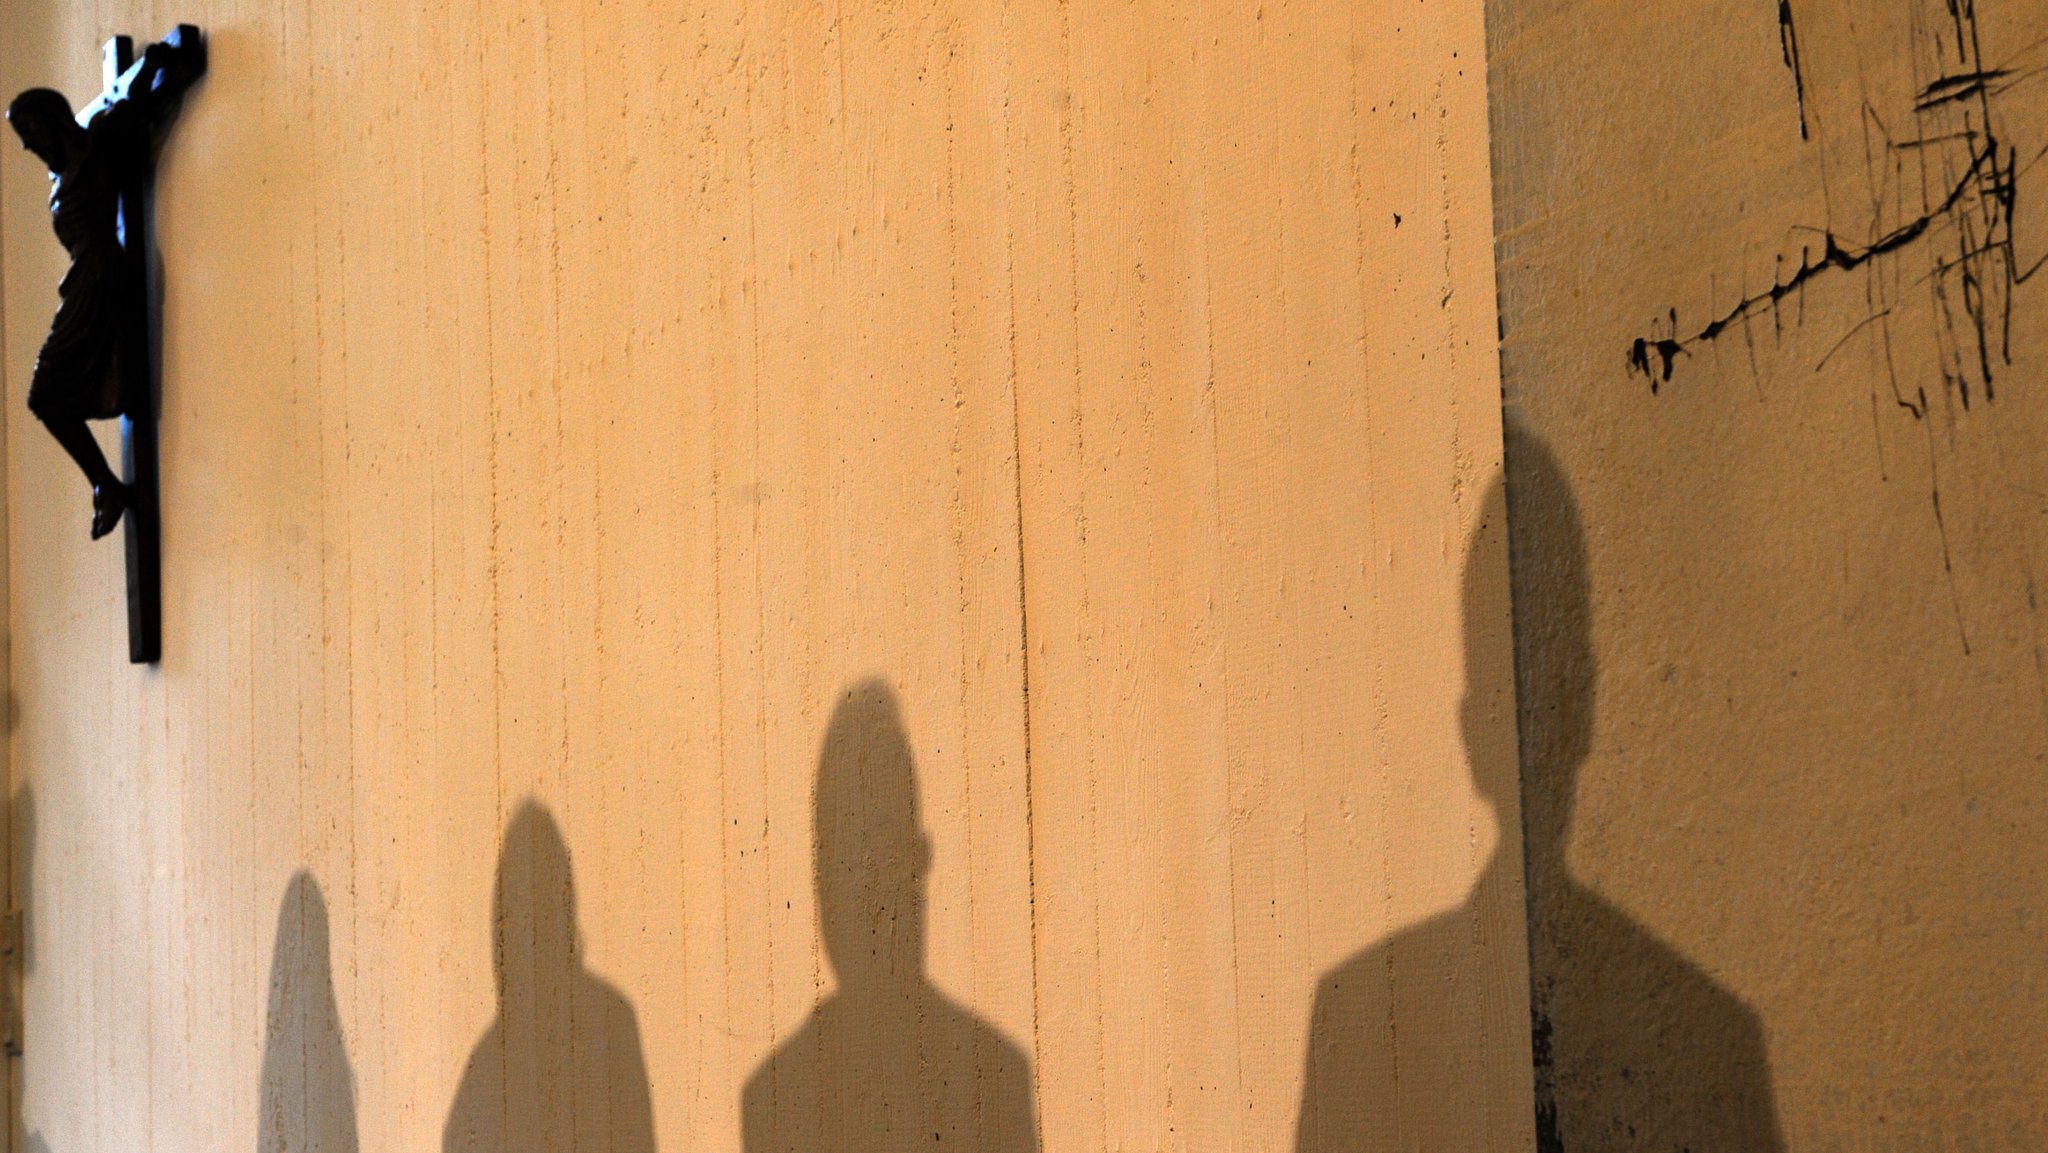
<point>571,406</point>
<point>1774,352</point>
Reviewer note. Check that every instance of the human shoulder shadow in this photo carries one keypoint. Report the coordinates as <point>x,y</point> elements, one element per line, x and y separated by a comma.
<point>887,1062</point>
<point>561,1065</point>
<point>1638,1047</point>
<point>1385,1026</point>
<point>1633,1046</point>
<point>919,1072</point>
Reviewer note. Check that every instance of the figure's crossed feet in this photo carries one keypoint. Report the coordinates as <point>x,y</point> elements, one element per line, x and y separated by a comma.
<point>109,501</point>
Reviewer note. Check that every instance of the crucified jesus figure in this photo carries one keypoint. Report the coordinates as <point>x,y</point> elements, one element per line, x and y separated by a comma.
<point>90,365</point>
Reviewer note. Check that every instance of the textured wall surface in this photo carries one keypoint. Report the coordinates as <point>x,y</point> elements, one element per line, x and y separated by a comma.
<point>773,574</point>
<point>1775,350</point>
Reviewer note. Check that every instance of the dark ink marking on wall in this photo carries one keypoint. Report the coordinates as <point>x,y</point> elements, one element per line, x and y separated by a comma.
<point>1666,348</point>
<point>1985,174</point>
<point>1936,250</point>
<point>1969,176</point>
<point>1788,42</point>
<point>1962,86</point>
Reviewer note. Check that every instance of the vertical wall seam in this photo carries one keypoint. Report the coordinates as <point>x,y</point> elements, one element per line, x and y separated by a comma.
<point>1023,600</point>
<point>752,286</point>
<point>1069,184</point>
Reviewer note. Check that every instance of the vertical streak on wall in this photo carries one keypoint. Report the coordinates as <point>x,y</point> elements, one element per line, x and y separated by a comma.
<point>989,468</point>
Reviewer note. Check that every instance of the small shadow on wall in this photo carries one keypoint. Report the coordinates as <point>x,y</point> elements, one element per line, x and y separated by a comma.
<point>887,1062</point>
<point>1634,1046</point>
<point>561,1067</point>
<point>308,1097</point>
<point>21,888</point>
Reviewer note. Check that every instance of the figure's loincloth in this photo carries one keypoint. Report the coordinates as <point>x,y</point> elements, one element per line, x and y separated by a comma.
<point>75,376</point>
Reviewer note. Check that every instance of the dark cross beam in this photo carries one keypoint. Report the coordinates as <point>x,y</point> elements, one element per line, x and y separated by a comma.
<point>143,529</point>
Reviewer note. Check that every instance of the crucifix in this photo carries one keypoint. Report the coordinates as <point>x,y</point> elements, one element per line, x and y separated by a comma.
<point>100,360</point>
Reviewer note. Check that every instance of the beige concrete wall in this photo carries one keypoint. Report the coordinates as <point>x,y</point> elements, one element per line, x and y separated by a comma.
<point>1781,640</point>
<point>1029,463</point>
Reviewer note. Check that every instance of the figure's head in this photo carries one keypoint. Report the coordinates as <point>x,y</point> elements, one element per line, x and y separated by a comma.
<point>534,903</point>
<point>42,118</point>
<point>301,980</point>
<point>305,1058</point>
<point>872,854</point>
<point>1554,666</point>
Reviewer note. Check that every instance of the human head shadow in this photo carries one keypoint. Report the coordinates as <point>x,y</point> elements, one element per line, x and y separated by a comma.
<point>561,1067</point>
<point>1634,1046</point>
<point>307,1097</point>
<point>886,1062</point>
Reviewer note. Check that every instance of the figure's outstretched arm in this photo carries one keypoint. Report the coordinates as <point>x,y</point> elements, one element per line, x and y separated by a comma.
<point>152,84</point>
<point>140,81</point>
<point>166,70</point>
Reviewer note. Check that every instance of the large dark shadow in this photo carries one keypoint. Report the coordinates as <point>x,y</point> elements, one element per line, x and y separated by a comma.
<point>886,1063</point>
<point>1635,1048</point>
<point>308,1096</point>
<point>561,1067</point>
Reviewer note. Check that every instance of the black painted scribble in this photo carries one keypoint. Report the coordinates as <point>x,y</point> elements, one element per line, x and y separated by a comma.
<point>1788,42</point>
<point>1968,178</point>
<point>1988,175</point>
<point>1960,87</point>
<point>1943,194</point>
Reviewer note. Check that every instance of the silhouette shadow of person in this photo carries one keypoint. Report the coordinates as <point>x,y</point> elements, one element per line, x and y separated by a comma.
<point>1634,1047</point>
<point>308,1096</point>
<point>561,1068</point>
<point>886,1063</point>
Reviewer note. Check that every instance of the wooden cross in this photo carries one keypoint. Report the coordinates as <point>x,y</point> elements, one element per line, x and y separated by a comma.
<point>102,356</point>
<point>141,359</point>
